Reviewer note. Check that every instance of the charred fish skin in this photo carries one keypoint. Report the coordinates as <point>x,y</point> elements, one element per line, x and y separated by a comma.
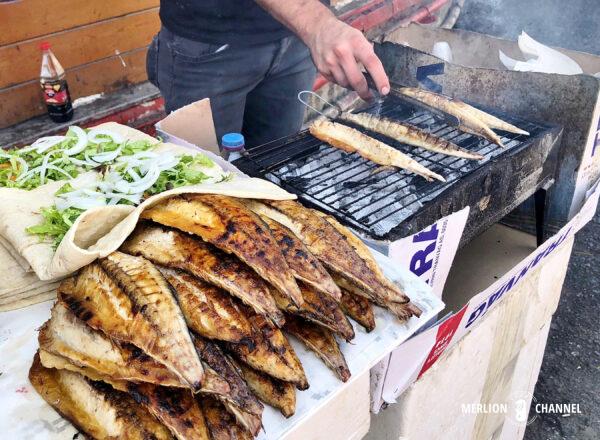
<point>353,141</point>
<point>94,408</point>
<point>306,267</point>
<point>221,424</point>
<point>208,311</point>
<point>359,309</point>
<point>67,336</point>
<point>227,224</point>
<point>408,134</point>
<point>274,392</point>
<point>322,343</point>
<point>178,250</point>
<point>177,409</point>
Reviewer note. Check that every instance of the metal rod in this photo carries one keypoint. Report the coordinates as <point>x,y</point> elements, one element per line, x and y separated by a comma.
<point>310,92</point>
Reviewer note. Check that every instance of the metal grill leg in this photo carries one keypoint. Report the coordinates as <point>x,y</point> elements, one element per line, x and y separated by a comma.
<point>540,207</point>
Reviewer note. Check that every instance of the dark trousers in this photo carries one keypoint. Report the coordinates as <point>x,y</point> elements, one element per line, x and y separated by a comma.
<point>252,89</point>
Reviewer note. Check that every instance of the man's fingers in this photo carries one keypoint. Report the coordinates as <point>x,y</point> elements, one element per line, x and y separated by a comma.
<point>339,76</point>
<point>367,57</point>
<point>355,77</point>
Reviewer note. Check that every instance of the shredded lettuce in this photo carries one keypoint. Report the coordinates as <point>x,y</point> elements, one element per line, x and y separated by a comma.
<point>55,225</point>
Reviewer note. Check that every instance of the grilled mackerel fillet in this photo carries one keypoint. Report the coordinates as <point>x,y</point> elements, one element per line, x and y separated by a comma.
<point>353,141</point>
<point>240,401</point>
<point>177,409</point>
<point>322,342</point>
<point>221,423</point>
<point>305,266</point>
<point>271,353</point>
<point>208,310</point>
<point>472,120</point>
<point>342,253</point>
<point>127,298</point>
<point>226,223</point>
<point>67,336</point>
<point>408,134</point>
<point>318,308</point>
<point>178,250</point>
<point>359,309</point>
<point>274,392</point>
<point>95,408</point>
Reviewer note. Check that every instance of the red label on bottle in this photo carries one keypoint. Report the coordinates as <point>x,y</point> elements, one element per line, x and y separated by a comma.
<point>55,92</point>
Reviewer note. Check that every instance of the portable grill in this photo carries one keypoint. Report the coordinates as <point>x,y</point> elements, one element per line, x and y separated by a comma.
<point>387,203</point>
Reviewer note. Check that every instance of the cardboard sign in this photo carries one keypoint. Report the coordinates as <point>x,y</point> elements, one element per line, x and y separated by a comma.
<point>412,359</point>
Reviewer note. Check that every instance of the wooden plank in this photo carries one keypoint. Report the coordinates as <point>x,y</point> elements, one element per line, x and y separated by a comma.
<point>34,18</point>
<point>79,46</point>
<point>24,101</point>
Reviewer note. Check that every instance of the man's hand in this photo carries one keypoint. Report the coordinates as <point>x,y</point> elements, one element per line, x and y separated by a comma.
<point>338,50</point>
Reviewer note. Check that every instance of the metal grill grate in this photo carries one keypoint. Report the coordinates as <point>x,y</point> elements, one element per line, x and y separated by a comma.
<point>362,194</point>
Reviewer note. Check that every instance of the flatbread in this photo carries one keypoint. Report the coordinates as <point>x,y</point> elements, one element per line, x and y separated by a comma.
<point>13,253</point>
<point>99,231</point>
<point>27,301</point>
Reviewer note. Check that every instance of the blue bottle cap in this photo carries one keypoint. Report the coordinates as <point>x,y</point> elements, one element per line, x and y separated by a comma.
<point>232,141</point>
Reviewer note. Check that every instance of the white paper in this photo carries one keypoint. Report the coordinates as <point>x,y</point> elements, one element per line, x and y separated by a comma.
<point>25,415</point>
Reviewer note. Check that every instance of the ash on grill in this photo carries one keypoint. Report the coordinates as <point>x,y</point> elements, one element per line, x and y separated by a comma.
<point>362,194</point>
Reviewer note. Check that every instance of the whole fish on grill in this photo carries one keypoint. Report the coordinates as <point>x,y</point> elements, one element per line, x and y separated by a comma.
<point>274,392</point>
<point>127,298</point>
<point>322,342</point>
<point>408,134</point>
<point>270,352</point>
<point>305,266</point>
<point>221,423</point>
<point>353,141</point>
<point>241,401</point>
<point>358,308</point>
<point>177,409</point>
<point>178,250</point>
<point>95,408</point>
<point>208,310</point>
<point>472,120</point>
<point>342,253</point>
<point>226,223</point>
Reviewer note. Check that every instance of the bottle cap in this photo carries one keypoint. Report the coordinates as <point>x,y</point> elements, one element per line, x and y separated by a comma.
<point>44,45</point>
<point>232,141</point>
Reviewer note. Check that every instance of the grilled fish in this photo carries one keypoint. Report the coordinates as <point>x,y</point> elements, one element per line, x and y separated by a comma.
<point>177,409</point>
<point>240,401</point>
<point>342,253</point>
<point>221,423</point>
<point>175,249</point>
<point>353,141</point>
<point>227,224</point>
<point>208,310</point>
<point>471,119</point>
<point>127,298</point>
<point>409,134</point>
<point>271,353</point>
<point>322,342</point>
<point>94,408</point>
<point>274,392</point>
<point>67,336</point>
<point>305,266</point>
<point>359,309</point>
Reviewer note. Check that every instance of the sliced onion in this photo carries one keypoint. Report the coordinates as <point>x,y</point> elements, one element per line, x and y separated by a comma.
<point>82,141</point>
<point>95,134</point>
<point>23,164</point>
<point>60,170</point>
<point>108,156</point>
<point>44,143</point>
<point>141,185</point>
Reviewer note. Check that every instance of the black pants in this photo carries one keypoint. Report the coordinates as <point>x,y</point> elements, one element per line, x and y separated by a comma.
<point>252,89</point>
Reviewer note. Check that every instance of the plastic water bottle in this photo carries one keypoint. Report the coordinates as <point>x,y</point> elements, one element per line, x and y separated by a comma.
<point>233,146</point>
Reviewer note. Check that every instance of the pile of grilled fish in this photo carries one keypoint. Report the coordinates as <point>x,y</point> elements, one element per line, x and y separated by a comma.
<point>471,120</point>
<point>182,332</point>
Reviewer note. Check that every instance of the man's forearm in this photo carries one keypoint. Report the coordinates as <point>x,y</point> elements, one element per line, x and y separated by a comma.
<point>301,17</point>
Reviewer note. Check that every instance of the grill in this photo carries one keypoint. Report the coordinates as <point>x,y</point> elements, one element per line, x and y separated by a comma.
<point>382,202</point>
